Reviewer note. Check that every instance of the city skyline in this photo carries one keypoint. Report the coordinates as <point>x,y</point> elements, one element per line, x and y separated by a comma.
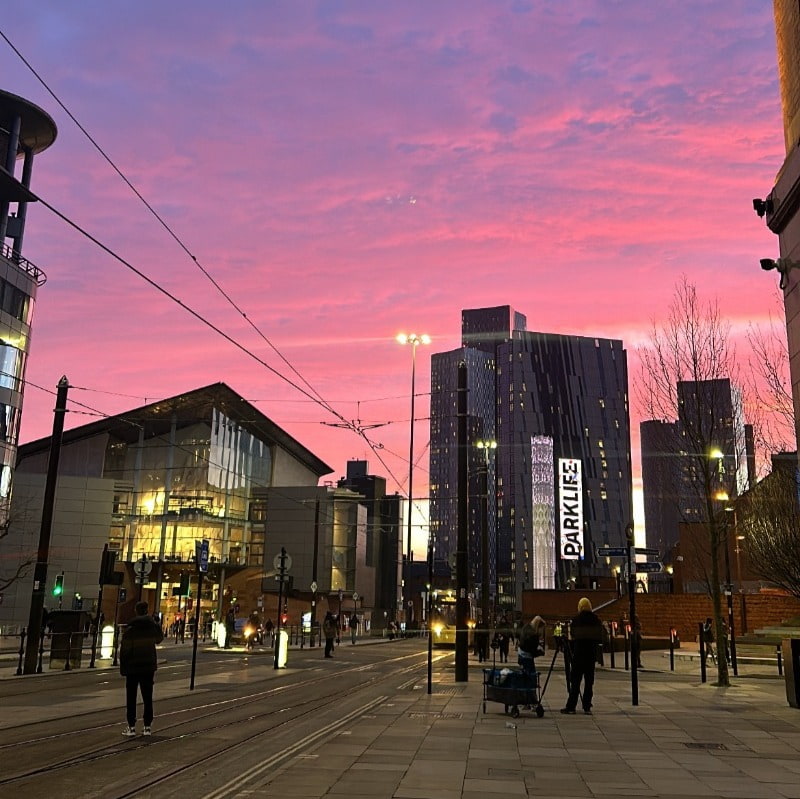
<point>348,172</point>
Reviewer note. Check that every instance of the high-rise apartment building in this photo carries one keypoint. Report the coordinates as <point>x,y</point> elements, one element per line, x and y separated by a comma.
<point>675,458</point>
<point>559,481</point>
<point>25,130</point>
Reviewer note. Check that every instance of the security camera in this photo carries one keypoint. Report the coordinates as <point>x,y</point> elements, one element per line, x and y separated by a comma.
<point>762,207</point>
<point>783,265</point>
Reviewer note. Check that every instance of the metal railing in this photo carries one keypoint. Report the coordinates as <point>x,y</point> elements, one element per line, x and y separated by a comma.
<point>10,254</point>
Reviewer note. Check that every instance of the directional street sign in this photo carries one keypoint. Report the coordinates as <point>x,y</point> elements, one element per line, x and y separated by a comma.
<point>612,552</point>
<point>650,566</point>
<point>653,551</point>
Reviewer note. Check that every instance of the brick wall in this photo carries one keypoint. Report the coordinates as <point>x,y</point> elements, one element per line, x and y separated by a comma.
<point>659,612</point>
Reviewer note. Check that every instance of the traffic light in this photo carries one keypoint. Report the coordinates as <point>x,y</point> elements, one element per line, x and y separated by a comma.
<point>58,587</point>
<point>184,584</point>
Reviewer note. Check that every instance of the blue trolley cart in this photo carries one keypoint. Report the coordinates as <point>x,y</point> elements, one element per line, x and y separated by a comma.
<point>512,688</point>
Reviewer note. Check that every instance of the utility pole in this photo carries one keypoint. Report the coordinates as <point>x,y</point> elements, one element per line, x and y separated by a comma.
<point>48,503</point>
<point>634,639</point>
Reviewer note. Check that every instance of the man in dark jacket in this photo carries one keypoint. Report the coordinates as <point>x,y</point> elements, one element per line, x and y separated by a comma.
<point>586,634</point>
<point>137,664</point>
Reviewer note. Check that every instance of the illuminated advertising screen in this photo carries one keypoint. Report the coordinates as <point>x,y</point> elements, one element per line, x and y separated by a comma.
<point>543,571</point>
<point>570,508</point>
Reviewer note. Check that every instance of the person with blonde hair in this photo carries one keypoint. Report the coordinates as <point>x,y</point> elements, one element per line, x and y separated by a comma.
<point>586,634</point>
<point>531,643</point>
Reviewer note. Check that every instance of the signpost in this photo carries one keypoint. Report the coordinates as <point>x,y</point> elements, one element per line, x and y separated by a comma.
<point>141,569</point>
<point>649,567</point>
<point>282,563</point>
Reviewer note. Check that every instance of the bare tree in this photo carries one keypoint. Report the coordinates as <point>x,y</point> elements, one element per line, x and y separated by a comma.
<point>689,378</point>
<point>771,527</point>
<point>769,386</point>
<point>23,562</point>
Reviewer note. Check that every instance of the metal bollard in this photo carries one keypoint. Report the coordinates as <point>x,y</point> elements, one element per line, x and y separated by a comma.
<point>702,640</point>
<point>780,660</point>
<point>22,636</point>
<point>41,651</point>
<point>627,647</point>
<point>68,665</point>
<point>672,634</point>
<point>612,629</point>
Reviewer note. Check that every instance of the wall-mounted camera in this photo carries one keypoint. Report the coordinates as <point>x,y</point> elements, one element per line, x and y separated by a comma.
<point>783,265</point>
<point>762,207</point>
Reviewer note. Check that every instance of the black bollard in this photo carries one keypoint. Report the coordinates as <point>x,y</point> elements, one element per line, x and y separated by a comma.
<point>22,636</point>
<point>41,650</point>
<point>702,653</point>
<point>626,641</point>
<point>67,664</point>
<point>672,635</point>
<point>780,660</point>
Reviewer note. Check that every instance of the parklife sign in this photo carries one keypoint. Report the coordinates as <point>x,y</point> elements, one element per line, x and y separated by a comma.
<point>570,508</point>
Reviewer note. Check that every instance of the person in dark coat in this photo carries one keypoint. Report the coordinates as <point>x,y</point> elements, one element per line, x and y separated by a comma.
<point>531,644</point>
<point>586,633</point>
<point>138,664</point>
<point>230,627</point>
<point>330,629</point>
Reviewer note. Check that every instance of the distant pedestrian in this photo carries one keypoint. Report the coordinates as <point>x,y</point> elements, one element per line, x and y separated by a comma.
<point>269,629</point>
<point>353,628</point>
<point>708,641</point>
<point>637,637</point>
<point>138,664</point>
<point>586,632</point>
<point>330,629</point>
<point>230,627</point>
<point>482,644</point>
<point>504,635</point>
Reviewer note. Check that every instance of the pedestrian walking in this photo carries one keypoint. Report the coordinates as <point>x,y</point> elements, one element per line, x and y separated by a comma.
<point>353,628</point>
<point>637,634</point>
<point>330,629</point>
<point>586,633</point>
<point>504,634</point>
<point>269,629</point>
<point>138,664</point>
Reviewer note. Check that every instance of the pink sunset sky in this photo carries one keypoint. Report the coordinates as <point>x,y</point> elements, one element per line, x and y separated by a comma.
<point>348,170</point>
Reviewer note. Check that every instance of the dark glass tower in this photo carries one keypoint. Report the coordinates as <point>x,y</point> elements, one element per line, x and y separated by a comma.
<point>539,395</point>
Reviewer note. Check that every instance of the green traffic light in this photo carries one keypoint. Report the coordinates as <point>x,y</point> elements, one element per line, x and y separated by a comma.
<point>58,588</point>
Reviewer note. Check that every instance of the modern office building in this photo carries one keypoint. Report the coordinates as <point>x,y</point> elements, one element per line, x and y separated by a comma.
<point>25,130</point>
<point>560,477</point>
<point>151,482</point>
<point>781,207</point>
<point>383,536</point>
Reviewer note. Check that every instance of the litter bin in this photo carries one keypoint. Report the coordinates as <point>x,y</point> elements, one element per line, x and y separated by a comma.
<point>791,669</point>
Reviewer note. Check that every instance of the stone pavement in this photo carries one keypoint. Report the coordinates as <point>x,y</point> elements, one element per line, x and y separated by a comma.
<point>684,739</point>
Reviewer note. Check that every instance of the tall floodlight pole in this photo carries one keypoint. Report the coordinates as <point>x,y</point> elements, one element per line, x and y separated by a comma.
<point>487,446</point>
<point>414,340</point>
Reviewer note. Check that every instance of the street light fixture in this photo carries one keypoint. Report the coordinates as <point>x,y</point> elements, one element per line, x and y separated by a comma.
<point>414,341</point>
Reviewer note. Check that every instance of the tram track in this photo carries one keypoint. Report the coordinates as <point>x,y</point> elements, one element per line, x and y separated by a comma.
<point>240,706</point>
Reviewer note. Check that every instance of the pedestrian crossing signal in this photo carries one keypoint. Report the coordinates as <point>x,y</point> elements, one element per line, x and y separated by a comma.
<point>58,587</point>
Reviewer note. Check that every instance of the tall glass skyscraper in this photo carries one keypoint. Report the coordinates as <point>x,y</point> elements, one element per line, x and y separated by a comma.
<point>560,477</point>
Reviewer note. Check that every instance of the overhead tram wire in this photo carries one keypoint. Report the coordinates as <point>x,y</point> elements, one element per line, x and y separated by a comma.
<point>166,226</point>
<point>314,395</point>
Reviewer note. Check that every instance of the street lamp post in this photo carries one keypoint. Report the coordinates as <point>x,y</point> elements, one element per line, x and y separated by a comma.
<point>414,341</point>
<point>487,447</point>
